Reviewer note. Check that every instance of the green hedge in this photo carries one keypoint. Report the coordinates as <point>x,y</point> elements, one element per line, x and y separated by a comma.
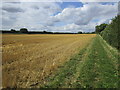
<point>100,28</point>
<point>112,33</point>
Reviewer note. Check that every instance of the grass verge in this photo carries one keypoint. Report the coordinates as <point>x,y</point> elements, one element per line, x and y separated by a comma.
<point>100,66</point>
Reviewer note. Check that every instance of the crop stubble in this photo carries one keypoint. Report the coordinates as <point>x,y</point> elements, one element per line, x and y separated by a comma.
<point>27,59</point>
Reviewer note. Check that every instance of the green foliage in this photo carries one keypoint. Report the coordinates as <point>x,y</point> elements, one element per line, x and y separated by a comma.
<point>112,32</point>
<point>79,32</point>
<point>99,69</point>
<point>13,30</point>
<point>23,30</point>
<point>44,31</point>
<point>100,28</point>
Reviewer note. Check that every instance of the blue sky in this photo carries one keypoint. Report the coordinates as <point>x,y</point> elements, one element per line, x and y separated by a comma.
<point>80,4</point>
<point>108,3</point>
<point>69,4</point>
<point>60,16</point>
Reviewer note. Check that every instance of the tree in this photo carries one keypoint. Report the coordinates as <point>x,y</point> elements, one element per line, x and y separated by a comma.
<point>44,31</point>
<point>13,30</point>
<point>112,33</point>
<point>100,28</point>
<point>79,32</point>
<point>23,30</point>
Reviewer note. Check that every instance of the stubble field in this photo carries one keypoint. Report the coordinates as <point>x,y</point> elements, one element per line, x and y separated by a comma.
<point>27,59</point>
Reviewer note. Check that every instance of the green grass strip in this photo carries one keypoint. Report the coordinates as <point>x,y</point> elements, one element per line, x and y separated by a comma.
<point>99,70</point>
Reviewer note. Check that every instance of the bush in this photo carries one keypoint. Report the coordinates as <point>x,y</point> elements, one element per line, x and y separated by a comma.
<point>100,28</point>
<point>13,30</point>
<point>79,32</point>
<point>23,30</point>
<point>112,32</point>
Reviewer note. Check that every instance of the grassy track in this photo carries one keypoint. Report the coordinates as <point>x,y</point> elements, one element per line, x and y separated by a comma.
<point>94,67</point>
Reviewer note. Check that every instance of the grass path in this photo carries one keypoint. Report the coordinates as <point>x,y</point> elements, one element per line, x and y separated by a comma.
<point>94,67</point>
<point>100,67</point>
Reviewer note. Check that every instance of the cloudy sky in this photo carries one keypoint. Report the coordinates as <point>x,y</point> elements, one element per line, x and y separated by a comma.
<point>57,16</point>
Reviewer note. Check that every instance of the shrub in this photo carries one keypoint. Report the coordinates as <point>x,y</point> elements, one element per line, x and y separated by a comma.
<point>100,28</point>
<point>13,30</point>
<point>23,30</point>
<point>112,32</point>
<point>79,32</point>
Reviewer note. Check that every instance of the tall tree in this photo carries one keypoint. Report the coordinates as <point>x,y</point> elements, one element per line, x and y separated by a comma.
<point>100,28</point>
<point>23,30</point>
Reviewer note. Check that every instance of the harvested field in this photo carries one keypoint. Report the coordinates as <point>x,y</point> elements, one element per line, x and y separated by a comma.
<point>28,59</point>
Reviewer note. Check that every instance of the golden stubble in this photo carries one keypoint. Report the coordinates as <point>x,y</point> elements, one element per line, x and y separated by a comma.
<point>28,59</point>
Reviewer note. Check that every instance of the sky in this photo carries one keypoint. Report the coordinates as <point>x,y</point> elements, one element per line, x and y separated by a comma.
<point>56,16</point>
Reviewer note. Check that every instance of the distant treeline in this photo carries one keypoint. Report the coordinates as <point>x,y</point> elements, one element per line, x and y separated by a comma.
<point>25,31</point>
<point>111,32</point>
<point>30,32</point>
<point>36,32</point>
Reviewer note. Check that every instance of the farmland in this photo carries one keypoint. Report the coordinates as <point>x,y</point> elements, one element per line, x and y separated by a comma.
<point>95,66</point>
<point>28,59</point>
<point>59,44</point>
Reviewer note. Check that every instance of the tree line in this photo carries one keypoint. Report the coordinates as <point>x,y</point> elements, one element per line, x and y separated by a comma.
<point>25,31</point>
<point>110,32</point>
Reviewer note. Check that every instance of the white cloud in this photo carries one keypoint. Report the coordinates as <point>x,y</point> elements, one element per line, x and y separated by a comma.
<point>72,28</point>
<point>40,16</point>
<point>34,13</point>
<point>83,15</point>
<point>99,0</point>
<point>61,0</point>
